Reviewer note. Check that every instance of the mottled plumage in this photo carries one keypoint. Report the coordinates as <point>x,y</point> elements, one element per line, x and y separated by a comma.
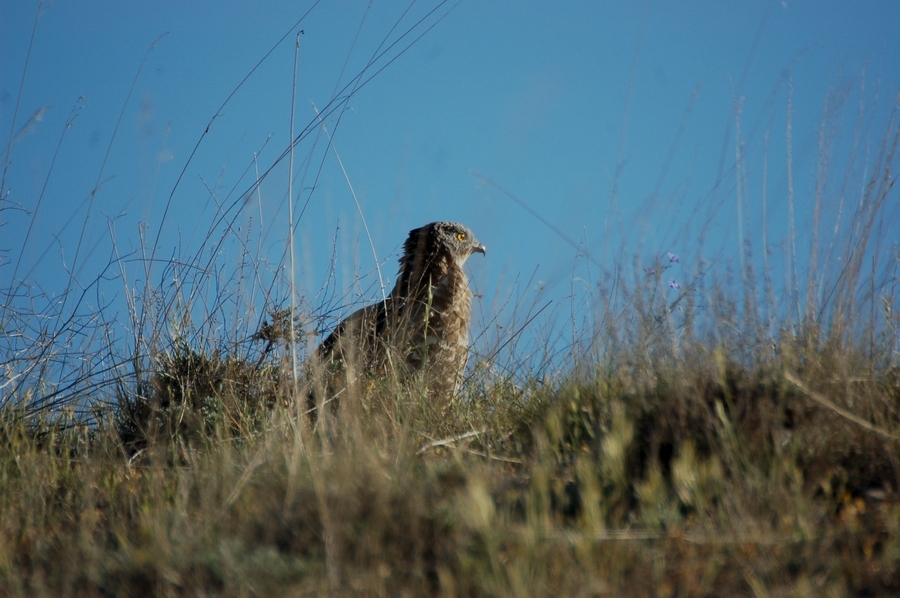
<point>422,327</point>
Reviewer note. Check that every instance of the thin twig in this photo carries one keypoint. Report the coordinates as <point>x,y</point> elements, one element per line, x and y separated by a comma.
<point>573,537</point>
<point>843,412</point>
<point>450,441</point>
<point>493,457</point>
<point>291,222</point>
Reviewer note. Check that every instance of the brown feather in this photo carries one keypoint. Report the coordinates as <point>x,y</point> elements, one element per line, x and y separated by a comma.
<point>422,327</point>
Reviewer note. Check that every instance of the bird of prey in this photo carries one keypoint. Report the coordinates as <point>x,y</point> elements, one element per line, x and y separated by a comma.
<point>420,329</point>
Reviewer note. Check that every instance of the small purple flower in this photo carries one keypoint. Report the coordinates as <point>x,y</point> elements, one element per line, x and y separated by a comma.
<point>673,257</point>
<point>649,271</point>
<point>674,284</point>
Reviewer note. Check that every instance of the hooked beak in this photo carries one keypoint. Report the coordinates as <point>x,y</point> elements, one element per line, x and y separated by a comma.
<point>479,248</point>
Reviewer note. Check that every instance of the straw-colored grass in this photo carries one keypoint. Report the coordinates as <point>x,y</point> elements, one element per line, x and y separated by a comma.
<point>685,472</point>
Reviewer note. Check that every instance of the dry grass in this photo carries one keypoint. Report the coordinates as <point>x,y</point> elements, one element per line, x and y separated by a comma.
<point>685,472</point>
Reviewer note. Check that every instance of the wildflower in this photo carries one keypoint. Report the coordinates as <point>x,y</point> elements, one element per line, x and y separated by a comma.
<point>649,271</point>
<point>673,257</point>
<point>674,284</point>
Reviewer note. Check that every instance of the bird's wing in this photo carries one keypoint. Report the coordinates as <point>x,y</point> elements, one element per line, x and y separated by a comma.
<point>357,335</point>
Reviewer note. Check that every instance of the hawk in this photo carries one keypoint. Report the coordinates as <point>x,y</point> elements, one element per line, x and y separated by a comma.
<point>422,327</point>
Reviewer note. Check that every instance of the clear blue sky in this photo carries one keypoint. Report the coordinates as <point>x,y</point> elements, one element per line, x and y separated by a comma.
<point>615,121</point>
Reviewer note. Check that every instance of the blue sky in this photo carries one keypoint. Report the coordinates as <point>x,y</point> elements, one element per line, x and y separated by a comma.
<point>615,121</point>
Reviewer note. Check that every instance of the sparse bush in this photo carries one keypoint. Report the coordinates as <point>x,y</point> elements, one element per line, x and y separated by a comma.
<point>192,396</point>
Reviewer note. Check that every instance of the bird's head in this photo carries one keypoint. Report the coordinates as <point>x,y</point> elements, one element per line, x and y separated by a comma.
<point>456,238</point>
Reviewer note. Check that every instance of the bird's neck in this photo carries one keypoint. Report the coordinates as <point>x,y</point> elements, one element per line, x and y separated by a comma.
<point>417,275</point>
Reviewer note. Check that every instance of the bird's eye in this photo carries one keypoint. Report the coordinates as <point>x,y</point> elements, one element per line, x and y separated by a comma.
<point>461,236</point>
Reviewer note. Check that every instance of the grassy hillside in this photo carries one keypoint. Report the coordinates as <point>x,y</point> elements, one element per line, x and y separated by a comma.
<point>690,459</point>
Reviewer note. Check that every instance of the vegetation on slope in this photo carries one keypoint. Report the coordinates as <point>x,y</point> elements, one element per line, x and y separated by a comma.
<point>676,466</point>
